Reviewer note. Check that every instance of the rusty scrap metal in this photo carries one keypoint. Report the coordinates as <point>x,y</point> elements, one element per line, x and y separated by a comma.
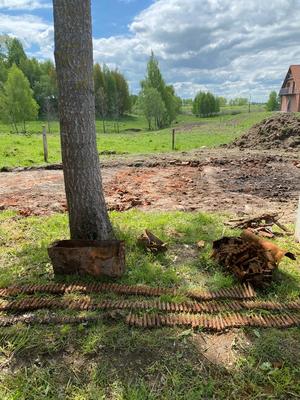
<point>266,220</point>
<point>273,250</point>
<point>244,291</point>
<point>88,257</point>
<point>214,323</point>
<point>204,321</point>
<point>248,257</point>
<point>151,242</point>
<point>239,301</point>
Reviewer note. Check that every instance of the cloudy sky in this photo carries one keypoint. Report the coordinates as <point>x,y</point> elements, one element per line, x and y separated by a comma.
<point>230,47</point>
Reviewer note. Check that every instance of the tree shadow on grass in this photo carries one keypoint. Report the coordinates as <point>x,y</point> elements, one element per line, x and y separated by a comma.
<point>271,360</point>
<point>30,264</point>
<point>113,361</point>
<point>285,285</point>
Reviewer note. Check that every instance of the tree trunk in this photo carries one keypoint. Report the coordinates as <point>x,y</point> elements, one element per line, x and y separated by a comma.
<point>88,217</point>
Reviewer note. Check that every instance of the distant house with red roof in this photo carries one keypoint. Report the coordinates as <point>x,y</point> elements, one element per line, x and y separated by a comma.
<point>290,90</point>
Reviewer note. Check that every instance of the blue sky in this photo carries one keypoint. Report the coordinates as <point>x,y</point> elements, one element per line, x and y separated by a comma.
<point>229,47</point>
<point>112,17</point>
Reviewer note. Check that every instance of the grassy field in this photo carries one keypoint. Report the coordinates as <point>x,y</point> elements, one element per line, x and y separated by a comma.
<point>27,150</point>
<point>108,360</point>
<point>231,110</point>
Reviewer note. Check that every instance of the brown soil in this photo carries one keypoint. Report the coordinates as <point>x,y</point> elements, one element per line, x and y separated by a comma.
<point>221,180</point>
<point>279,131</point>
<point>219,349</point>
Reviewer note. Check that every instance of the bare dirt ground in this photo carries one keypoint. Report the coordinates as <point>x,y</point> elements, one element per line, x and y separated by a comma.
<point>219,180</point>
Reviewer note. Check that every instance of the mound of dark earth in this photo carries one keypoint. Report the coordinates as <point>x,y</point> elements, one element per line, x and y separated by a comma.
<point>281,131</point>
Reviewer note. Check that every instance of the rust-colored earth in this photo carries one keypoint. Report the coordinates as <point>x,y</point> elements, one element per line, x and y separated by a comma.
<point>220,180</point>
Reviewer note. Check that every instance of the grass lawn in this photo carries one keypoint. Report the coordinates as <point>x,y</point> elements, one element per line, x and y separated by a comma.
<point>108,360</point>
<point>27,150</point>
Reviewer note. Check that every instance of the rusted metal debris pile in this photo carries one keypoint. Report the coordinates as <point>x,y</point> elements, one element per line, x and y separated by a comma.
<point>248,257</point>
<point>213,311</point>
<point>262,224</point>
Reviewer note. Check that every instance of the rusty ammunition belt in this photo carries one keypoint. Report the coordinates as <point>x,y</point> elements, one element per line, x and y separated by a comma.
<point>35,303</point>
<point>213,323</point>
<point>231,304</point>
<point>238,292</point>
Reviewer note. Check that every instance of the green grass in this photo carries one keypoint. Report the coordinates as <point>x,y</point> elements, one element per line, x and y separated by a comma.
<point>108,360</point>
<point>27,150</point>
<point>232,110</point>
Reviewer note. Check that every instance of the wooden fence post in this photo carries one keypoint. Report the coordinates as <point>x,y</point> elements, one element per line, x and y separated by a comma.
<point>173,139</point>
<point>297,230</point>
<point>45,144</point>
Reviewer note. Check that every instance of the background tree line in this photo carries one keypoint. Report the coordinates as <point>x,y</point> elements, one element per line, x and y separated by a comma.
<point>28,88</point>
<point>206,104</point>
<point>112,98</point>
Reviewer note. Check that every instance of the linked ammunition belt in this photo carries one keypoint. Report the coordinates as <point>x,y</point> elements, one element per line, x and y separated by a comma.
<point>238,292</point>
<point>214,311</point>
<point>34,303</point>
<point>214,323</point>
<point>217,323</point>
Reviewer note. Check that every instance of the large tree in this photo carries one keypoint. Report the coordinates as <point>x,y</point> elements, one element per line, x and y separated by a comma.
<point>205,104</point>
<point>273,102</point>
<point>15,52</point>
<point>88,217</point>
<point>154,80</point>
<point>152,106</point>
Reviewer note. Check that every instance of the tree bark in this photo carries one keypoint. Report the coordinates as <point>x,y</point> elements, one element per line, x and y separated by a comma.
<point>88,217</point>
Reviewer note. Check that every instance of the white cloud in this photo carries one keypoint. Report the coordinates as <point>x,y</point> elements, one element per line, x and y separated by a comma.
<point>31,30</point>
<point>24,4</point>
<point>230,47</point>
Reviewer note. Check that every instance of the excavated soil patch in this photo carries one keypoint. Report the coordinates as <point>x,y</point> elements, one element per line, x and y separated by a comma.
<point>234,183</point>
<point>278,131</point>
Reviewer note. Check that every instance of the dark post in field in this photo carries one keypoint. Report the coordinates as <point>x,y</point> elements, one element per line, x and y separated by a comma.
<point>88,217</point>
<point>45,144</point>
<point>173,139</point>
